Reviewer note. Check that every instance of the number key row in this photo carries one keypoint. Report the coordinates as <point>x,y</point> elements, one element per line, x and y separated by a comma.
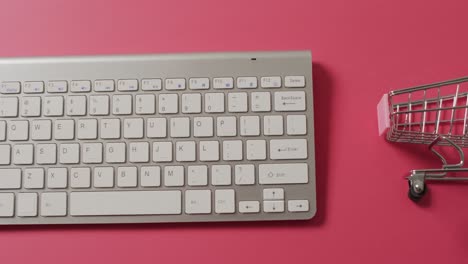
<point>143,104</point>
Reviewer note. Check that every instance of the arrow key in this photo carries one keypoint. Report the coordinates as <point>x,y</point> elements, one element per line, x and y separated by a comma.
<point>273,206</point>
<point>298,205</point>
<point>273,194</point>
<point>246,207</point>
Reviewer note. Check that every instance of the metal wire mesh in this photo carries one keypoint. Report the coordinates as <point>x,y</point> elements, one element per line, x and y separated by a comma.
<point>421,114</point>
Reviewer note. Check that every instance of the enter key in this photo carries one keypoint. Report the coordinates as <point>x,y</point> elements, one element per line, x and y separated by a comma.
<point>287,149</point>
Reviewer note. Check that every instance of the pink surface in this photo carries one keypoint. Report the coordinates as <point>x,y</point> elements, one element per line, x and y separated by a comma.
<point>361,49</point>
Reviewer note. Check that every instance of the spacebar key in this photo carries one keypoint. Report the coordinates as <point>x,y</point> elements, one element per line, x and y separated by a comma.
<point>125,203</point>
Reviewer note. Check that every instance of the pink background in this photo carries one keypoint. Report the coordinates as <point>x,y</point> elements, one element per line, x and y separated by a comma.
<point>361,49</point>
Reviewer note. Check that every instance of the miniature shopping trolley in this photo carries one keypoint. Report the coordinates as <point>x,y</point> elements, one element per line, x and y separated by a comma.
<point>433,114</point>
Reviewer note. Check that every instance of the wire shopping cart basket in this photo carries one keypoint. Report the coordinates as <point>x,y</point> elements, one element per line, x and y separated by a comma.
<point>433,114</point>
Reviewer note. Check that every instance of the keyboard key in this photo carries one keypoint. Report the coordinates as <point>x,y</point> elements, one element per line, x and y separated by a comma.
<point>294,173</point>
<point>225,201</point>
<point>151,84</point>
<point>197,175</point>
<point>203,127</point>
<point>285,149</point>
<point>191,103</point>
<point>92,153</point>
<point>175,84</point>
<point>156,128</point>
<point>99,105</point>
<point>273,125</point>
<point>103,177</point>
<point>145,104</point>
<point>33,87</point>
<point>250,125</point>
<point>104,86</point>
<point>18,130</point>
<point>298,205</point>
<point>110,128</point>
<point>26,204</point>
<point>10,179</point>
<point>273,206</point>
<point>87,129</point>
<point>198,202</point>
<point>260,102</point>
<point>168,104</point>
<point>296,125</point>
<point>199,83</point>
<point>57,87</point>
<point>180,127</point>
<point>256,149</point>
<point>33,178</point>
<point>232,150</point>
<point>69,153</point>
<point>214,103</point>
<point>221,175</point>
<point>10,88</point>
<point>237,102</point>
<point>80,86</point>
<point>244,174</point>
<point>8,106</point>
<point>247,207</point>
<point>30,106</point>
<point>76,105</point>
<point>273,194</point>
<point>116,152</point>
<point>271,82</point>
<point>133,128</point>
<point>122,104</point>
<point>7,204</point>
<point>246,82</point>
<point>209,150</point>
<point>162,151</point>
<point>23,154</point>
<point>138,152</point>
<point>6,152</point>
<point>2,130</point>
<point>150,176</point>
<point>80,177</point>
<point>53,106</point>
<point>126,203</point>
<point>46,154</point>
<point>294,81</point>
<point>185,151</point>
<point>57,178</point>
<point>127,177</point>
<point>226,126</point>
<point>223,83</point>
<point>64,129</point>
<point>173,176</point>
<point>127,85</point>
<point>54,204</point>
<point>290,101</point>
<point>41,130</point>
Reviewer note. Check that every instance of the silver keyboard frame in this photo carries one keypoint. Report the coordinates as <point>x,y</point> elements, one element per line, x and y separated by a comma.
<point>210,65</point>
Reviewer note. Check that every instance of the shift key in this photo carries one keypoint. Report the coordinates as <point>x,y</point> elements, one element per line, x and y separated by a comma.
<point>287,149</point>
<point>292,173</point>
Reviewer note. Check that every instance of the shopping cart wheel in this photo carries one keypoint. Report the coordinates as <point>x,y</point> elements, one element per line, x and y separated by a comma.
<point>416,191</point>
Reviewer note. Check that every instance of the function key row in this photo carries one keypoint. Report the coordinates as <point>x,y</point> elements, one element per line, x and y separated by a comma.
<point>170,84</point>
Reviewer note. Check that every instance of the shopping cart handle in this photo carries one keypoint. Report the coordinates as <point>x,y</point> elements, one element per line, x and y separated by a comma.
<point>383,114</point>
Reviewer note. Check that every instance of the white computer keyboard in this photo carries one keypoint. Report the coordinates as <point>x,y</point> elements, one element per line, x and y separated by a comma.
<point>157,138</point>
